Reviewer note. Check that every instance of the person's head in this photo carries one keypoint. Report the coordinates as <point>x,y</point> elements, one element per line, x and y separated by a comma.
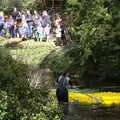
<point>28,12</point>
<point>44,13</point>
<point>6,17</point>
<point>65,74</point>
<point>14,9</point>
<point>57,16</point>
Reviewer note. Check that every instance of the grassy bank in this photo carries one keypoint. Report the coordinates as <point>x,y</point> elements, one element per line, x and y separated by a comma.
<point>30,52</point>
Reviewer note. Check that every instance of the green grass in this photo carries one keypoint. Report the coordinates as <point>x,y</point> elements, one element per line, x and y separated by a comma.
<point>30,52</point>
<point>44,54</point>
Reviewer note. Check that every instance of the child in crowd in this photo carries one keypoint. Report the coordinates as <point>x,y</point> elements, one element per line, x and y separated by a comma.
<point>40,32</point>
<point>23,29</point>
<point>58,29</point>
<point>5,26</point>
<point>10,25</point>
<point>58,34</point>
<point>30,24</point>
<point>46,24</point>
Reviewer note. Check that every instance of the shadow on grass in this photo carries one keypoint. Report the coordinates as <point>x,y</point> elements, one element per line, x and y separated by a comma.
<point>14,45</point>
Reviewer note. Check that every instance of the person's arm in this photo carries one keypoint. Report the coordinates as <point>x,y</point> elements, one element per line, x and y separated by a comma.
<point>48,21</point>
<point>57,22</point>
<point>59,78</point>
<point>69,81</point>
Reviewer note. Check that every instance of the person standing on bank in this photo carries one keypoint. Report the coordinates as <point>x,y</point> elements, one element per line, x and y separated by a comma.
<point>14,13</point>
<point>58,21</point>
<point>46,24</point>
<point>62,89</point>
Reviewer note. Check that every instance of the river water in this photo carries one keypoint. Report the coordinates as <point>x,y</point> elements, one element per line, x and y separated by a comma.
<point>77,112</point>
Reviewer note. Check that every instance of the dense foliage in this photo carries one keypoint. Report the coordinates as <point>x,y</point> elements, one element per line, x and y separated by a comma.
<point>20,97</point>
<point>11,109</point>
<point>96,29</point>
<point>8,5</point>
<point>94,55</point>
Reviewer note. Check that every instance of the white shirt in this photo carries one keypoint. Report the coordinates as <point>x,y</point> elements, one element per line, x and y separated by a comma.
<point>67,78</point>
<point>58,31</point>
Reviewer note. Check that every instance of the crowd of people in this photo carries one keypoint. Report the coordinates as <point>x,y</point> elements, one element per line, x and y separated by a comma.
<point>25,24</point>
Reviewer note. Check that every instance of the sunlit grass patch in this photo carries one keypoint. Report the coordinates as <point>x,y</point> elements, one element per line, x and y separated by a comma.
<point>33,44</point>
<point>29,51</point>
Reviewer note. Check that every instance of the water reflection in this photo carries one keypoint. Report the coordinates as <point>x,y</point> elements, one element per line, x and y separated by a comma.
<point>76,112</point>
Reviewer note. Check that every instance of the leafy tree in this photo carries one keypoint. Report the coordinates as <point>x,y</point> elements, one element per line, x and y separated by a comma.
<point>30,4</point>
<point>95,26</point>
<point>7,5</point>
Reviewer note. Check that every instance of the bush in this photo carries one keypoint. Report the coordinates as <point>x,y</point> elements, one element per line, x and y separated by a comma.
<point>12,74</point>
<point>57,61</point>
<point>11,109</point>
<point>95,27</point>
<point>9,106</point>
<point>21,97</point>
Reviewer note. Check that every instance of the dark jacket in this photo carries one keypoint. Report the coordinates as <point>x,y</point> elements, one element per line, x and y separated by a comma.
<point>14,15</point>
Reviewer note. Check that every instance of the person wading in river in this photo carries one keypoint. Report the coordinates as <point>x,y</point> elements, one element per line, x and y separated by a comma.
<point>62,89</point>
